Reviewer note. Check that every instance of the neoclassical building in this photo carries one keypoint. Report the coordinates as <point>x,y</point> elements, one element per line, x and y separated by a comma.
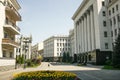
<point>9,17</point>
<point>55,46</point>
<point>113,17</point>
<point>93,41</point>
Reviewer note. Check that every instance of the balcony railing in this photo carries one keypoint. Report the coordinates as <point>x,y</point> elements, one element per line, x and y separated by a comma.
<point>10,23</point>
<point>11,7</point>
<point>9,41</point>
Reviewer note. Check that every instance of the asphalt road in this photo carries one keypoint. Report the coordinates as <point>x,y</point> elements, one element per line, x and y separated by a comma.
<point>83,72</point>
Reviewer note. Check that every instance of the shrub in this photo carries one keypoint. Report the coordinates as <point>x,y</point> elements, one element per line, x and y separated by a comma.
<point>45,75</point>
<point>108,62</point>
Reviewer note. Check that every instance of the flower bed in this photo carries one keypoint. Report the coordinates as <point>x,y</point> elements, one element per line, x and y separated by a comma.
<point>45,75</point>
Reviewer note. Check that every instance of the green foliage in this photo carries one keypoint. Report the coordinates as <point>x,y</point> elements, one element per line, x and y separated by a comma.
<point>67,57</point>
<point>108,67</point>
<point>108,62</point>
<point>45,75</point>
<point>64,57</point>
<point>116,53</point>
<point>20,59</point>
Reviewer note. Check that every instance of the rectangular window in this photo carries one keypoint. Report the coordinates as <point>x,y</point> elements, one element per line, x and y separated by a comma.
<point>115,32</point>
<point>109,12</point>
<point>105,34</point>
<point>111,33</point>
<point>117,7</point>
<point>111,22</point>
<point>118,18</point>
<point>113,10</point>
<point>106,45</point>
<point>104,23</point>
<point>110,1</point>
<point>4,53</point>
<point>103,3</point>
<point>11,54</point>
<point>104,14</point>
<point>57,44</point>
<point>114,20</point>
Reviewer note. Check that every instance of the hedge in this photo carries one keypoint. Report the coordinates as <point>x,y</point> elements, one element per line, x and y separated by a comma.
<point>45,75</point>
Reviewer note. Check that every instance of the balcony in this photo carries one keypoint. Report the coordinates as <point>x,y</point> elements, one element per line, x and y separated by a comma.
<point>12,12</point>
<point>12,27</point>
<point>8,43</point>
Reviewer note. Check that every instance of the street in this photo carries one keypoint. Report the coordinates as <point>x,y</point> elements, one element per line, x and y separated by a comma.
<point>83,72</point>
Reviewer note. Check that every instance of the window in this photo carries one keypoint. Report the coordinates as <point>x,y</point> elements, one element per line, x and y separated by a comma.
<point>5,35</point>
<point>113,10</point>
<point>57,54</point>
<point>11,54</point>
<point>104,23</point>
<point>103,3</point>
<point>114,20</point>
<point>104,14</point>
<point>4,53</point>
<point>111,33</point>
<point>105,34</point>
<point>115,32</point>
<point>57,49</point>
<point>110,1</point>
<point>117,7</point>
<point>89,57</point>
<point>109,12</point>
<point>106,45</point>
<point>111,22</point>
<point>118,18</point>
<point>57,44</point>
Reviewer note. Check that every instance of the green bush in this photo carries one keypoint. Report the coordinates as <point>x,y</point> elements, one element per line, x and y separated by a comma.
<point>45,75</point>
<point>108,62</point>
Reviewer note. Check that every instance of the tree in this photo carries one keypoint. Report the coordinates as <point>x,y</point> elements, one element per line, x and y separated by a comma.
<point>64,57</point>
<point>116,53</point>
<point>67,57</point>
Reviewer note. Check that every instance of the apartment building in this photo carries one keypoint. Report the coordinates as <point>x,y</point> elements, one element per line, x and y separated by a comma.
<point>37,50</point>
<point>9,17</point>
<point>55,46</point>
<point>72,44</point>
<point>92,33</point>
<point>25,46</point>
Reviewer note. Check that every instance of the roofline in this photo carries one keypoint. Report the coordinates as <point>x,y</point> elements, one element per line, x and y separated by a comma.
<point>79,8</point>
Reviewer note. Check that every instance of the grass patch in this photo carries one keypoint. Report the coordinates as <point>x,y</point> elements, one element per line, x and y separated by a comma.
<point>110,67</point>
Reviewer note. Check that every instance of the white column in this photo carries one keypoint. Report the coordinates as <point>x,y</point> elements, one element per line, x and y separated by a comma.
<point>85,40</point>
<point>75,38</point>
<point>86,33</point>
<point>89,32</point>
<point>92,30</point>
<point>80,36</point>
<point>83,35</point>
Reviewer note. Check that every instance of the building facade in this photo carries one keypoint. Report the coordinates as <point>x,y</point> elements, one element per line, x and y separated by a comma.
<point>25,47</point>
<point>9,17</point>
<point>37,50</point>
<point>113,17</point>
<point>93,41</point>
<point>72,44</point>
<point>55,46</point>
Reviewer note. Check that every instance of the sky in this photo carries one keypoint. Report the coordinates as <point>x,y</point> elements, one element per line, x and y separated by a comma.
<point>45,18</point>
